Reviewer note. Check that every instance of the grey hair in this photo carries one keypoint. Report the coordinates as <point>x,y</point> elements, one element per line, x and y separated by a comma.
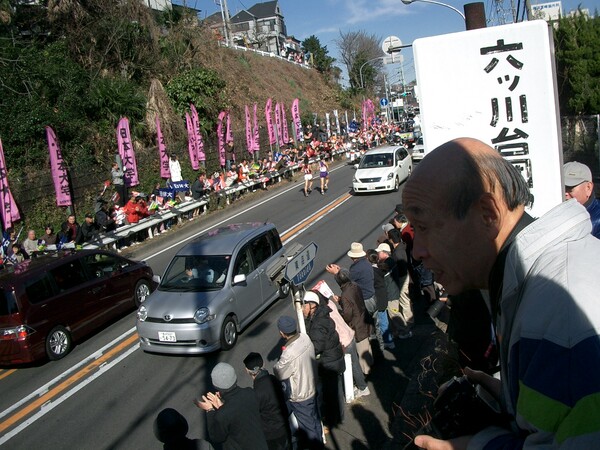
<point>342,277</point>
<point>483,172</point>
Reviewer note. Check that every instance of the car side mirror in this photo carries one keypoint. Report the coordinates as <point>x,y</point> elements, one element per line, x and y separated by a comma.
<point>239,279</point>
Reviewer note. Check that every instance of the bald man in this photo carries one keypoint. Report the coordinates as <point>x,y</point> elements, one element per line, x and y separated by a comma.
<point>467,206</point>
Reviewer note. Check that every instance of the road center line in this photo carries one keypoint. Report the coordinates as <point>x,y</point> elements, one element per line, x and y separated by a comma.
<point>101,360</point>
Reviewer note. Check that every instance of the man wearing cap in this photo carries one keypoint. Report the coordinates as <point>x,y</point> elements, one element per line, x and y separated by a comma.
<point>330,357</point>
<point>361,272</point>
<point>579,185</point>
<point>232,414</point>
<point>88,230</point>
<point>297,369</point>
<point>271,403</point>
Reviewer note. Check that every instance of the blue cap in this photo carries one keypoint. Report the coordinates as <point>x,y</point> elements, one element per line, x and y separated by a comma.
<point>286,324</point>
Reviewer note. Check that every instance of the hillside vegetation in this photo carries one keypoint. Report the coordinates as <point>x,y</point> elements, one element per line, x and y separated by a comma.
<point>83,65</point>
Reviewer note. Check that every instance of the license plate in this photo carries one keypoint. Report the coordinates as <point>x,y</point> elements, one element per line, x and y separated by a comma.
<point>370,187</point>
<point>167,336</point>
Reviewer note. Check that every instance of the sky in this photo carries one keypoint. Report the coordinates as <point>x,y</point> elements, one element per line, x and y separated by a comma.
<point>382,18</point>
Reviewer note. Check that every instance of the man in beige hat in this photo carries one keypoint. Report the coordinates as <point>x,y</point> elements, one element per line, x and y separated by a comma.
<point>579,185</point>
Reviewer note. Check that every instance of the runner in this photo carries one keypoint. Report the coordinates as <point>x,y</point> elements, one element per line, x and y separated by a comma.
<point>324,174</point>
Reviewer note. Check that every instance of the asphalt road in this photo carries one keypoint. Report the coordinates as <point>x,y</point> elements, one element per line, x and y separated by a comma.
<point>107,392</point>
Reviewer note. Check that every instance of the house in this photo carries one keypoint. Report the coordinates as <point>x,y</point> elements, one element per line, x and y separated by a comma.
<point>261,27</point>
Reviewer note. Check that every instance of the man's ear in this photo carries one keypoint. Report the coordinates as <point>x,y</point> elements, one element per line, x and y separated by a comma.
<point>490,210</point>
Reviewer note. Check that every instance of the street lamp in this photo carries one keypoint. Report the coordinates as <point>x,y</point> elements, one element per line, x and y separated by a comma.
<point>361,68</point>
<point>408,2</point>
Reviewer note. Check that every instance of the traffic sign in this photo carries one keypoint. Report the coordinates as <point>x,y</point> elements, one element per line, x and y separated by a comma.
<point>391,44</point>
<point>299,267</point>
<point>383,102</point>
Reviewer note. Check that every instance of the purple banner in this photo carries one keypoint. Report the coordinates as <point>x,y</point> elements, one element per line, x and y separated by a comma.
<point>296,119</point>
<point>59,170</point>
<point>127,153</point>
<point>197,135</point>
<point>162,152</point>
<point>221,138</point>
<point>192,149</point>
<point>269,119</point>
<point>9,210</point>
<point>256,137</point>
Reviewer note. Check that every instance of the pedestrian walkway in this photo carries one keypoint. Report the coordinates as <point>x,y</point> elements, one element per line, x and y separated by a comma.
<point>403,384</point>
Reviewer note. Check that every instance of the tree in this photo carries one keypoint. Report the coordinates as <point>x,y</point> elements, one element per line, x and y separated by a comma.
<point>577,42</point>
<point>359,49</point>
<point>321,61</point>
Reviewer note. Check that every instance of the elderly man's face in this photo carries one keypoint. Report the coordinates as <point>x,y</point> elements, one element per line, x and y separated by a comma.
<point>460,252</point>
<point>581,192</point>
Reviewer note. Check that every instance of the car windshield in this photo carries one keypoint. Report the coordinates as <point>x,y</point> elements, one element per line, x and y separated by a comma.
<point>376,160</point>
<point>196,274</point>
<point>420,141</point>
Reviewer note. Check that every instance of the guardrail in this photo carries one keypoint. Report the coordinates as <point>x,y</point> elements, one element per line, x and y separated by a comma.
<point>153,222</point>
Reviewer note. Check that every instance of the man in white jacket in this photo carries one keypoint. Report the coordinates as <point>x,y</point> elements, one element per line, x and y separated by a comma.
<point>467,206</point>
<point>297,369</point>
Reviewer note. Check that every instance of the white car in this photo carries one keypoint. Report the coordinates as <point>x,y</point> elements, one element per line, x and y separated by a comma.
<point>418,151</point>
<point>382,169</point>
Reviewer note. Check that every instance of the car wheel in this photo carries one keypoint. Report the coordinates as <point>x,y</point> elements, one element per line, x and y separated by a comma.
<point>396,184</point>
<point>228,333</point>
<point>58,343</point>
<point>409,171</point>
<point>142,291</point>
<point>284,290</point>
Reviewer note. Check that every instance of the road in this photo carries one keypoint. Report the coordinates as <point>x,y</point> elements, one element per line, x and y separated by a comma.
<point>107,392</point>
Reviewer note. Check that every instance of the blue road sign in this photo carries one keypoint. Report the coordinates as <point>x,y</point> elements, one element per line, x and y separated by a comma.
<point>383,102</point>
<point>299,267</point>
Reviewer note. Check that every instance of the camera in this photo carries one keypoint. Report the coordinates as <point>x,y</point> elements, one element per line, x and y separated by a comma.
<point>459,411</point>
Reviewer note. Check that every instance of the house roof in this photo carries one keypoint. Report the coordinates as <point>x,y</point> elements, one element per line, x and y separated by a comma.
<point>242,16</point>
<point>264,10</point>
<point>214,18</point>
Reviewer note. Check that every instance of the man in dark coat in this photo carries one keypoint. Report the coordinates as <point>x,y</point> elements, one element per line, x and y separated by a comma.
<point>88,231</point>
<point>330,357</point>
<point>271,403</point>
<point>232,415</point>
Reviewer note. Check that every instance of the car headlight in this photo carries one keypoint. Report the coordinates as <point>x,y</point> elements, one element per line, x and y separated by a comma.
<point>354,179</point>
<point>142,313</point>
<point>390,175</point>
<point>203,315</point>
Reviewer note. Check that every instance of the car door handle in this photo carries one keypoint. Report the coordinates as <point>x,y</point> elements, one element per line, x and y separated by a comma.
<point>96,289</point>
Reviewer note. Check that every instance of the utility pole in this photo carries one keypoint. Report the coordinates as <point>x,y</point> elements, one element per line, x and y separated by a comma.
<point>226,22</point>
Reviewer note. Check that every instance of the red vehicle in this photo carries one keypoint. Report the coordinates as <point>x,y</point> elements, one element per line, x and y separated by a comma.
<point>48,302</point>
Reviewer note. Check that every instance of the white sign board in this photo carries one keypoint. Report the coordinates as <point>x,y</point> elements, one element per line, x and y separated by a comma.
<point>547,11</point>
<point>497,85</point>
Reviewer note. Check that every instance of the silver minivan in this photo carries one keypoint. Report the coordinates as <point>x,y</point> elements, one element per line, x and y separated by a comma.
<point>212,289</point>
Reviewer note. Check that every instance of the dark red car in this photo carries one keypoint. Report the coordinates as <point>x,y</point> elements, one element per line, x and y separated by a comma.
<point>50,301</point>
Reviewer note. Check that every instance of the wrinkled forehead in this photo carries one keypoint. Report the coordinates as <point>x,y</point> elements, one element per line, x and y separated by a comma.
<point>423,199</point>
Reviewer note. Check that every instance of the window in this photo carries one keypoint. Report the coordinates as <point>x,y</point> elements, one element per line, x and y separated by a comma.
<point>243,264</point>
<point>102,265</point>
<point>261,249</point>
<point>69,275</point>
<point>8,305</point>
<point>244,26</point>
<point>39,289</point>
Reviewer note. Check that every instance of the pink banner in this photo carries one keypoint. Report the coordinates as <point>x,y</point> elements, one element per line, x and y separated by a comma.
<point>221,138</point>
<point>229,132</point>
<point>162,152</point>
<point>256,137</point>
<point>286,135</point>
<point>249,135</point>
<point>192,149</point>
<point>127,153</point>
<point>278,132</point>
<point>9,210</point>
<point>198,135</point>
<point>269,118</point>
<point>59,170</point>
<point>296,119</point>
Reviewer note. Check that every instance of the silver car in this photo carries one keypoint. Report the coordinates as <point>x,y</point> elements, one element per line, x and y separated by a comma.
<point>213,288</point>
